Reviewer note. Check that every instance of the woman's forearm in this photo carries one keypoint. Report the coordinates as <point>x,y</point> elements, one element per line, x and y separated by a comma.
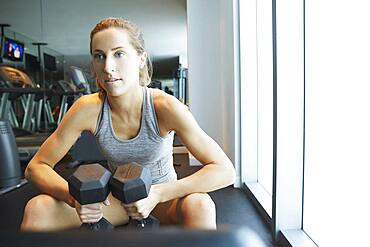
<point>211,177</point>
<point>48,181</point>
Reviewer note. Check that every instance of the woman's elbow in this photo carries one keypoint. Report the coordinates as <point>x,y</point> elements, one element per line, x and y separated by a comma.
<point>231,175</point>
<point>28,172</point>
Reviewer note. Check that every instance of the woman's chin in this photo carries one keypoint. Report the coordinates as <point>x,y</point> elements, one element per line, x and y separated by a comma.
<point>114,92</point>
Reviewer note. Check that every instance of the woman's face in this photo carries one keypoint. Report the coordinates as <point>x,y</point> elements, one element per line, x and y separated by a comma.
<point>115,62</point>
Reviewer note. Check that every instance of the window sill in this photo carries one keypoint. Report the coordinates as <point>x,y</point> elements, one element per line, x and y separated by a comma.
<point>290,238</point>
<point>260,198</point>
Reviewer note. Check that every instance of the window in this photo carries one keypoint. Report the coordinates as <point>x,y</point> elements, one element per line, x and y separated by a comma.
<point>257,99</point>
<point>337,122</point>
<point>321,129</point>
<point>264,95</point>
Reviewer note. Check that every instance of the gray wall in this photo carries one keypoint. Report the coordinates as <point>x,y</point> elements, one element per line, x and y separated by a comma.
<point>213,71</point>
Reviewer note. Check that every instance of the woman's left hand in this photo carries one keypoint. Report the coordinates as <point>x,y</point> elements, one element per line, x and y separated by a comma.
<point>141,209</point>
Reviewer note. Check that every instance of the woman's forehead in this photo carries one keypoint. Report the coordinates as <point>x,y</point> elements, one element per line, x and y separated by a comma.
<point>111,38</point>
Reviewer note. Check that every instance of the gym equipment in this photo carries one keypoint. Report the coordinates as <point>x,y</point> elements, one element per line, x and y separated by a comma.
<point>181,82</point>
<point>155,84</point>
<point>130,183</point>
<point>20,96</point>
<point>26,153</point>
<point>10,173</point>
<point>10,170</point>
<point>89,184</point>
<point>81,87</point>
<point>68,96</point>
<point>79,79</point>
<point>17,87</point>
<point>231,237</point>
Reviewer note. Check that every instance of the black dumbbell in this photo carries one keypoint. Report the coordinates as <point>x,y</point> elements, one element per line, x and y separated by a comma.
<point>90,184</point>
<point>130,183</point>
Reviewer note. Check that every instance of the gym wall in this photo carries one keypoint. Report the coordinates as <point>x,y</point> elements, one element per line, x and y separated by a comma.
<point>213,71</point>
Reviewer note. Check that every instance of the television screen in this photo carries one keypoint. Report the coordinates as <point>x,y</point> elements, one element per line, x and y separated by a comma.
<point>13,50</point>
<point>32,65</point>
<point>50,62</point>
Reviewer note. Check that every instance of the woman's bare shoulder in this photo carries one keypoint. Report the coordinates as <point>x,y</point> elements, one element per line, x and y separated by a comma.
<point>90,103</point>
<point>167,107</point>
<point>164,102</point>
<point>85,111</point>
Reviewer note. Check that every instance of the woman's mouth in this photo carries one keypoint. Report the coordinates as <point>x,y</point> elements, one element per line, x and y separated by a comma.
<point>111,81</point>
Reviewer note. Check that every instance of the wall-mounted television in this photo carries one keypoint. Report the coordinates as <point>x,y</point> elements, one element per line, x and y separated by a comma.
<point>50,62</point>
<point>32,65</point>
<point>13,50</point>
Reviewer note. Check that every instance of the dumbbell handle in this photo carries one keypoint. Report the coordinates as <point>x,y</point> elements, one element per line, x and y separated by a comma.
<point>137,223</point>
<point>101,225</point>
<point>140,223</point>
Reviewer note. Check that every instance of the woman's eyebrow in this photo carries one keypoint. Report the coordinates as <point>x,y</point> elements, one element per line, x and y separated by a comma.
<point>119,47</point>
<point>113,49</point>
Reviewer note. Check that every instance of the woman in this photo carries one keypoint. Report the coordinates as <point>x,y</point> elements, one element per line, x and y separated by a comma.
<point>132,123</point>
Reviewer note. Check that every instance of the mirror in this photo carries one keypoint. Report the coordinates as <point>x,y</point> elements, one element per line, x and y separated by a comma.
<point>55,37</point>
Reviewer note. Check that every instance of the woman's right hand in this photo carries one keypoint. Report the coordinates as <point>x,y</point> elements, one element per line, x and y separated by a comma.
<point>90,213</point>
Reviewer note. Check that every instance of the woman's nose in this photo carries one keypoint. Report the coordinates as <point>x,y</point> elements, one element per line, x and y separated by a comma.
<point>110,65</point>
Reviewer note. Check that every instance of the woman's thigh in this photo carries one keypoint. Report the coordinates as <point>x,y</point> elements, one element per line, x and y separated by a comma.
<point>44,212</point>
<point>195,210</point>
<point>168,213</point>
<point>115,213</point>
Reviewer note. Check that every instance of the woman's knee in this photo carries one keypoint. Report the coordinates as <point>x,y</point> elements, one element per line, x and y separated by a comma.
<point>39,205</point>
<point>198,206</point>
<point>36,211</point>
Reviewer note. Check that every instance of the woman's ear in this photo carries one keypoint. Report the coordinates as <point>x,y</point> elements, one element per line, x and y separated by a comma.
<point>143,59</point>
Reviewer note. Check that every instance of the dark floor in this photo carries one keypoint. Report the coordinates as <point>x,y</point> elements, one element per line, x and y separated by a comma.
<point>233,207</point>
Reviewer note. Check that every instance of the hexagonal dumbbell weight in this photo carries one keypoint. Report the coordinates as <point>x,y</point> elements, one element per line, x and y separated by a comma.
<point>90,184</point>
<point>130,183</point>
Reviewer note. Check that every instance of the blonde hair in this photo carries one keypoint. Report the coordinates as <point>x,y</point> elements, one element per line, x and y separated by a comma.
<point>136,40</point>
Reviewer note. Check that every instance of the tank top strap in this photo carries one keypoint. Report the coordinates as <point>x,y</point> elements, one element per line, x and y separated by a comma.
<point>103,116</point>
<point>150,115</point>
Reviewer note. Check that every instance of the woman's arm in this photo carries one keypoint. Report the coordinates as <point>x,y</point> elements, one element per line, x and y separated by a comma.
<point>40,171</point>
<point>217,172</point>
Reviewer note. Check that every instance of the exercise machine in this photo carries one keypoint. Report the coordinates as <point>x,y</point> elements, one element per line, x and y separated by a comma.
<point>10,170</point>
<point>17,88</point>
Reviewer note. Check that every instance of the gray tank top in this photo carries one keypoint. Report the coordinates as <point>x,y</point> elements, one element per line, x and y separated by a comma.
<point>148,148</point>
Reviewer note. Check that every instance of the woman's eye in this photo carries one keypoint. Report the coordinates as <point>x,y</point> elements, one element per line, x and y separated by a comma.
<point>119,54</point>
<point>99,56</point>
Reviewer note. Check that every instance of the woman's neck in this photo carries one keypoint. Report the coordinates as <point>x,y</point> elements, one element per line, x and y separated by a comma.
<point>128,104</point>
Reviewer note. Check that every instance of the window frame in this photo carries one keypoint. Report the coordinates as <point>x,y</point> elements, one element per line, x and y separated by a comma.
<point>285,213</point>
